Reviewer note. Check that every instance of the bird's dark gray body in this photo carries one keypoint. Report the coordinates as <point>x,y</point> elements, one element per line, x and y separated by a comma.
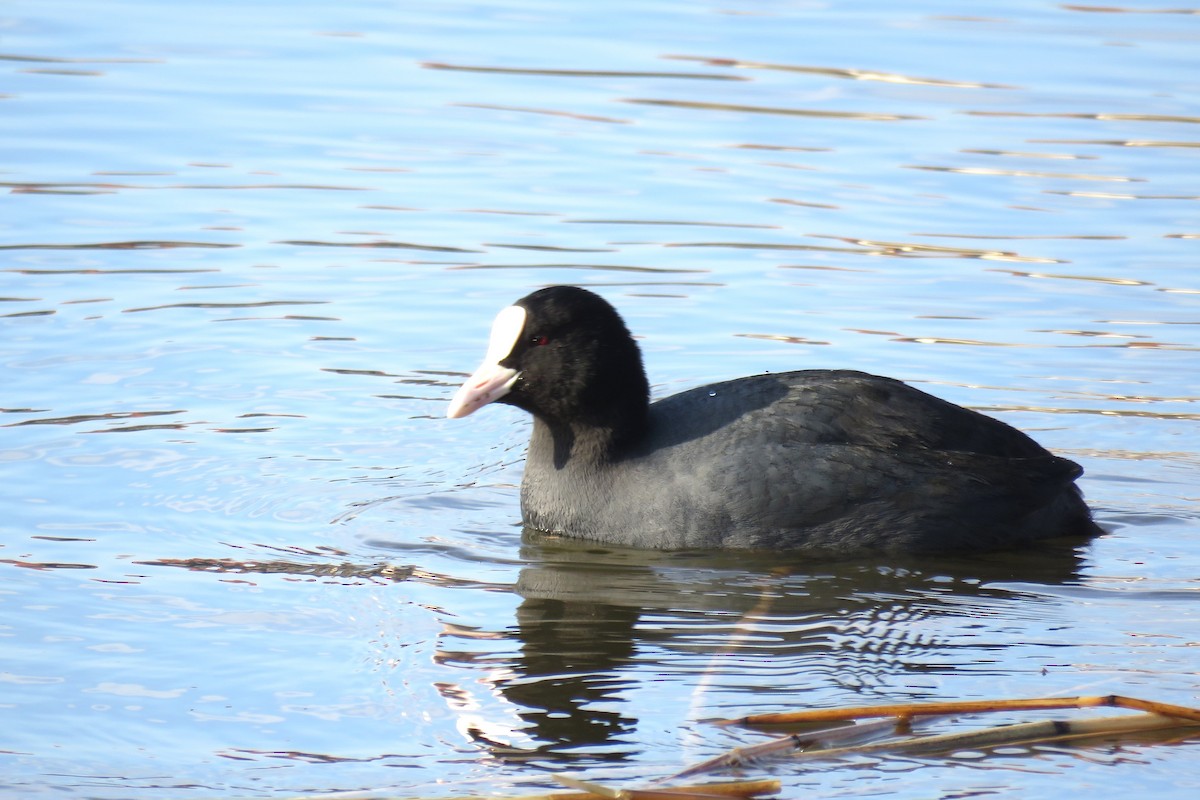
<point>823,460</point>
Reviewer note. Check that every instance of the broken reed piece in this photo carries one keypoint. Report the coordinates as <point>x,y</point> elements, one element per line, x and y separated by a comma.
<point>829,743</point>
<point>824,743</point>
<point>589,790</point>
<point>1020,733</point>
<point>807,747</point>
<point>826,738</point>
<point>904,711</point>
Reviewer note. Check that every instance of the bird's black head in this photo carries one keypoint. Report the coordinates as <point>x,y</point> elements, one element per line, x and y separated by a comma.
<point>564,355</point>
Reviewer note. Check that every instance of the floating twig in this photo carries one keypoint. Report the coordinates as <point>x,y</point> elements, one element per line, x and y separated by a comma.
<point>826,739</point>
<point>589,790</point>
<point>1020,733</point>
<point>909,710</point>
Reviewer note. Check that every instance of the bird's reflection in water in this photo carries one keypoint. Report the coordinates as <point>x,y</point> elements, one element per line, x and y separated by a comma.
<point>572,654</point>
<point>752,622</point>
<point>596,625</point>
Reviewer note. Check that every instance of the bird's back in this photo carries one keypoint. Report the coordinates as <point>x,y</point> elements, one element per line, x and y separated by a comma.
<point>815,459</point>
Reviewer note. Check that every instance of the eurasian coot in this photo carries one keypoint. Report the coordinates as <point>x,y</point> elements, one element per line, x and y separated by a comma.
<point>828,460</point>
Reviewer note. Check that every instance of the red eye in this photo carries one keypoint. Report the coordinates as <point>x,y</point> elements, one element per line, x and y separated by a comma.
<point>538,341</point>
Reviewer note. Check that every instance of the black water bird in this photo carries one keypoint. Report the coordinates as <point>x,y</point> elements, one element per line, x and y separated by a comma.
<point>823,460</point>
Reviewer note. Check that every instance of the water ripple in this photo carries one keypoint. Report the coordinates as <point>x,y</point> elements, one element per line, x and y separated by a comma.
<point>811,113</point>
<point>837,72</point>
<point>581,73</point>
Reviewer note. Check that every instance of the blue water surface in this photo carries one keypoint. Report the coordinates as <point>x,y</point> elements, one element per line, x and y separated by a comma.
<point>248,249</point>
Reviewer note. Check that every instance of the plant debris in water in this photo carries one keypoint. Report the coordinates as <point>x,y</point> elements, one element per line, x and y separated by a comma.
<point>890,729</point>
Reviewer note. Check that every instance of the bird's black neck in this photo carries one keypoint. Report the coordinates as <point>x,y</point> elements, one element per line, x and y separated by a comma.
<point>602,436</point>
